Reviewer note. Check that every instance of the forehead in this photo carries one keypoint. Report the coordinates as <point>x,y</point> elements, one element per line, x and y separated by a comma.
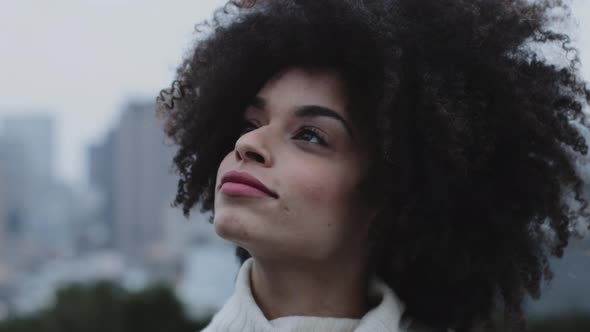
<point>301,86</point>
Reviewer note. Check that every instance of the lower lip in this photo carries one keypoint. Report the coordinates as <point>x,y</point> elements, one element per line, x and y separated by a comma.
<point>240,189</point>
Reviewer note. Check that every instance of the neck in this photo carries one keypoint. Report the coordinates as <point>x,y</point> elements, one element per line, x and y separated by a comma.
<point>337,288</point>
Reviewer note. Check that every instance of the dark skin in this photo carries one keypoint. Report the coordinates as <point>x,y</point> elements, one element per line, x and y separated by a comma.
<point>310,242</point>
<point>469,133</point>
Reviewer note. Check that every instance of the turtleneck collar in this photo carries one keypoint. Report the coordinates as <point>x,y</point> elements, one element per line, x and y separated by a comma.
<point>241,313</point>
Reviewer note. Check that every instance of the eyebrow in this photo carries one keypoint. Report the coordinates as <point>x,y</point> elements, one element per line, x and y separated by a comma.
<point>307,111</point>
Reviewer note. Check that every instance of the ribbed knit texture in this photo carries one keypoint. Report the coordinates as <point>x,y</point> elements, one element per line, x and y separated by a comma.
<point>241,313</point>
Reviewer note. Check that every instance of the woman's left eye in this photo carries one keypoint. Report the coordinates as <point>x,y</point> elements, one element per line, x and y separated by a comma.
<point>247,126</point>
<point>311,135</point>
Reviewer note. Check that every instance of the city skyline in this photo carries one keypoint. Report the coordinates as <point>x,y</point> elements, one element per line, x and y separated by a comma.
<point>61,58</point>
<point>89,70</point>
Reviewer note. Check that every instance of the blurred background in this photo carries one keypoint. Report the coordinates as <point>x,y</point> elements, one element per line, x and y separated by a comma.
<point>88,240</point>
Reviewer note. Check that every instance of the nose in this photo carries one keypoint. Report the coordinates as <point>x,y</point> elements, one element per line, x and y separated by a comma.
<point>251,147</point>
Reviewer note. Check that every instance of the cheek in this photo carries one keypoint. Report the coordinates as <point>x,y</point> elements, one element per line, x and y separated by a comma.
<point>322,210</point>
<point>311,186</point>
<point>320,189</point>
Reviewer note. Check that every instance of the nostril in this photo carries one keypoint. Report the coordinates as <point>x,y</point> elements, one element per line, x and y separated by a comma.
<point>255,156</point>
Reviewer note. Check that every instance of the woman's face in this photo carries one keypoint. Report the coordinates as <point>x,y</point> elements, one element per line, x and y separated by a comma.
<point>299,142</point>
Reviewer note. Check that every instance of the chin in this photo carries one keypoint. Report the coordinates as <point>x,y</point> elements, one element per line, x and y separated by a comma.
<point>231,227</point>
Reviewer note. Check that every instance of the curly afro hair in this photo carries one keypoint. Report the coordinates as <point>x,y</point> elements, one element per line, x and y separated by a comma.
<point>476,134</point>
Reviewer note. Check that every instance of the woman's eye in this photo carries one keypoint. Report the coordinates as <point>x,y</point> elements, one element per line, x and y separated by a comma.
<point>247,126</point>
<point>308,134</point>
<point>311,135</point>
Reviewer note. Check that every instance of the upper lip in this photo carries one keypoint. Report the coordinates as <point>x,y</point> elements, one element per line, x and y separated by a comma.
<point>246,178</point>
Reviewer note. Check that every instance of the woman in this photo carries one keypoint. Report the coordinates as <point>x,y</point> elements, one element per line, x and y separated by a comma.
<point>382,165</point>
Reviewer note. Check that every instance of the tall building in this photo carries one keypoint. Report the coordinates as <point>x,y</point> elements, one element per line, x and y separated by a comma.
<point>142,182</point>
<point>131,170</point>
<point>101,173</point>
<point>27,156</point>
<point>35,135</point>
<point>15,190</point>
<point>3,212</point>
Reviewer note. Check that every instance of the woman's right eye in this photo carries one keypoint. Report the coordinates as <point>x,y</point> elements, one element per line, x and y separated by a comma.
<point>247,126</point>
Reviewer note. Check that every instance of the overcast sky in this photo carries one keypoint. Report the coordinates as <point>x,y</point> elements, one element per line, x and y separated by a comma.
<point>82,59</point>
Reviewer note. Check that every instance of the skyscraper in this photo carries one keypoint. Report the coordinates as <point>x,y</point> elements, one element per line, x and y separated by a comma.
<point>26,175</point>
<point>34,133</point>
<point>3,212</point>
<point>101,176</point>
<point>142,183</point>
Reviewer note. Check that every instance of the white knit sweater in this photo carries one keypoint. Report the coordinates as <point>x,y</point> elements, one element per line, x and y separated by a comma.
<point>241,313</point>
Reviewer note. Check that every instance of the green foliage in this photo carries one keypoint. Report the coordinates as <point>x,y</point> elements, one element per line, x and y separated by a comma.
<point>571,322</point>
<point>103,306</point>
<point>106,307</point>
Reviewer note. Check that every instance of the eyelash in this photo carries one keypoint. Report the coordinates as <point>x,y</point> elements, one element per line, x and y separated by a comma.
<point>315,132</point>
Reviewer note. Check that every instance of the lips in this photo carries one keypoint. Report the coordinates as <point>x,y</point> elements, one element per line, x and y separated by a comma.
<point>247,179</point>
